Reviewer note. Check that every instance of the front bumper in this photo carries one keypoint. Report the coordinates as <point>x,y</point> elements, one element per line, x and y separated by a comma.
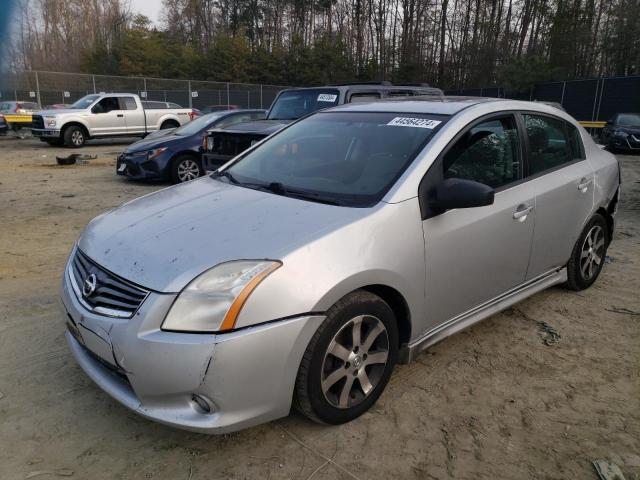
<point>247,377</point>
<point>45,133</point>
<point>631,142</point>
<point>137,166</point>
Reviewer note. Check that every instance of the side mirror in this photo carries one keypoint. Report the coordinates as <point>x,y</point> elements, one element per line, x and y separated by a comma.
<point>459,193</point>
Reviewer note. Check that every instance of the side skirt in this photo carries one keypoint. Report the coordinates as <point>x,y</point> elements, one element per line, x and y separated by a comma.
<point>409,352</point>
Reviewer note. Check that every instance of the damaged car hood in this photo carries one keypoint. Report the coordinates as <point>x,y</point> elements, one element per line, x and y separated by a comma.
<point>164,240</point>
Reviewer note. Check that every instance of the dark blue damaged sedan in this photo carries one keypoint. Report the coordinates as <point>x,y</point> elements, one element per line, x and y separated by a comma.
<point>175,154</point>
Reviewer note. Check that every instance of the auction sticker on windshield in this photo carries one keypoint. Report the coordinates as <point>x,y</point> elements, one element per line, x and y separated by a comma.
<point>414,122</point>
<point>327,97</point>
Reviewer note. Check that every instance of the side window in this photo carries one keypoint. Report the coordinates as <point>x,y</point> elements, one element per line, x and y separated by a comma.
<point>106,105</point>
<point>488,153</point>
<point>364,97</point>
<point>127,103</point>
<point>549,146</point>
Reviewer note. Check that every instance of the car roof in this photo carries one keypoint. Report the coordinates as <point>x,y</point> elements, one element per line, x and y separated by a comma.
<point>418,104</point>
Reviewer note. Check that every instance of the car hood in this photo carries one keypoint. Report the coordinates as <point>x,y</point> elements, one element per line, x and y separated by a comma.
<point>153,142</point>
<point>628,129</point>
<point>59,111</point>
<point>165,239</point>
<point>262,127</point>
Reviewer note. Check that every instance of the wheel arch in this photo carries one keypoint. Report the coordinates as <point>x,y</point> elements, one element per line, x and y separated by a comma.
<point>175,123</point>
<point>75,123</point>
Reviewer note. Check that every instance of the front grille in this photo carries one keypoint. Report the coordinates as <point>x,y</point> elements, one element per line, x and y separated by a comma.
<point>112,295</point>
<point>37,121</point>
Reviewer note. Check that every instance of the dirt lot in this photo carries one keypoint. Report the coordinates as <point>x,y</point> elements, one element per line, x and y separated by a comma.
<point>498,401</point>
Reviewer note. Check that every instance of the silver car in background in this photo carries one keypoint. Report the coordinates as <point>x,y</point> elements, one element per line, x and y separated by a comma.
<point>302,271</point>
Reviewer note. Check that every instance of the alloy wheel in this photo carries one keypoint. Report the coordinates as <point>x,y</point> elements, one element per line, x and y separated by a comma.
<point>188,170</point>
<point>77,138</point>
<point>355,361</point>
<point>592,253</point>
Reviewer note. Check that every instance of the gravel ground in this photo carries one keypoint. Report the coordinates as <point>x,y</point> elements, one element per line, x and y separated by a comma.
<point>497,401</point>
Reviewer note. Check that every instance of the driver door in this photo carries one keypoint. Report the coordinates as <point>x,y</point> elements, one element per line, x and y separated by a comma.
<point>108,118</point>
<point>474,255</point>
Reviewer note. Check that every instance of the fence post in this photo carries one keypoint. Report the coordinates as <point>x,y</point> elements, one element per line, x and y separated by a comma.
<point>595,100</point>
<point>146,95</point>
<point>93,79</point>
<point>190,99</point>
<point>600,101</point>
<point>261,96</point>
<point>228,101</point>
<point>38,89</point>
<point>248,99</point>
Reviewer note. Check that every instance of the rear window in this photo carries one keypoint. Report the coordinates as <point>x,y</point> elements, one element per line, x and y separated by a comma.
<point>294,104</point>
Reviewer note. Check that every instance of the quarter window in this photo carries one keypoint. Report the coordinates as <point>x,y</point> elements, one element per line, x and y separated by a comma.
<point>488,153</point>
<point>127,103</point>
<point>549,144</point>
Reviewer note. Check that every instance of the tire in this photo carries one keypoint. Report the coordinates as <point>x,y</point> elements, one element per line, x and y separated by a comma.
<point>74,136</point>
<point>342,397</point>
<point>185,168</point>
<point>169,124</point>
<point>588,255</point>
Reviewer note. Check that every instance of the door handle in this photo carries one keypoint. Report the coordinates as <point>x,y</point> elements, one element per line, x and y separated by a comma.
<point>120,115</point>
<point>521,213</point>
<point>584,184</point>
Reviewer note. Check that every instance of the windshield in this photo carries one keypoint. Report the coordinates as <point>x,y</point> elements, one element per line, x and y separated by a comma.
<point>195,126</point>
<point>629,119</point>
<point>344,158</point>
<point>84,102</point>
<point>293,104</point>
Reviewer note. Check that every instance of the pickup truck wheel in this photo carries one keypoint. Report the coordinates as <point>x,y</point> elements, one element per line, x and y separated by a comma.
<point>185,168</point>
<point>74,137</point>
<point>348,361</point>
<point>169,124</point>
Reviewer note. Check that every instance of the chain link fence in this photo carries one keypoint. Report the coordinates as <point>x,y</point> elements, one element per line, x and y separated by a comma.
<point>52,88</point>
<point>592,99</point>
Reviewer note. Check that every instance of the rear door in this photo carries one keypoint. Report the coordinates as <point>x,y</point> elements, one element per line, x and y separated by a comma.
<point>107,117</point>
<point>474,255</point>
<point>133,115</point>
<point>563,182</point>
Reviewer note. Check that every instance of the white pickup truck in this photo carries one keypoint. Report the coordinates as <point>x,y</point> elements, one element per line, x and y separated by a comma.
<point>105,115</point>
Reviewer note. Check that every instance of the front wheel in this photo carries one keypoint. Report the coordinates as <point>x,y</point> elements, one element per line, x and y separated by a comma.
<point>348,361</point>
<point>74,136</point>
<point>588,255</point>
<point>185,168</point>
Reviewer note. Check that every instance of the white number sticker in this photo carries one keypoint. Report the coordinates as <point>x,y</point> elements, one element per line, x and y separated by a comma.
<point>327,97</point>
<point>414,122</point>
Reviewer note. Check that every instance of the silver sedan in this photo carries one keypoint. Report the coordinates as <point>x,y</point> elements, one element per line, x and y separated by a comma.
<point>303,270</point>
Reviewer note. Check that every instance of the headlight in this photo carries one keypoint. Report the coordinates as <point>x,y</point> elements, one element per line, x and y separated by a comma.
<point>208,144</point>
<point>213,300</point>
<point>51,122</point>
<point>620,134</point>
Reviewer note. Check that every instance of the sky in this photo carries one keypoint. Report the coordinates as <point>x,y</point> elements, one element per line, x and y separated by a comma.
<point>150,8</point>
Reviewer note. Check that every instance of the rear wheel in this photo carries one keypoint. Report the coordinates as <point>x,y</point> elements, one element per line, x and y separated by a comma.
<point>74,136</point>
<point>169,124</point>
<point>587,257</point>
<point>185,168</point>
<point>348,361</point>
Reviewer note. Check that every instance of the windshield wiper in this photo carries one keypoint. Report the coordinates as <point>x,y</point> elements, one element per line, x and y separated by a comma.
<point>227,175</point>
<point>280,189</point>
